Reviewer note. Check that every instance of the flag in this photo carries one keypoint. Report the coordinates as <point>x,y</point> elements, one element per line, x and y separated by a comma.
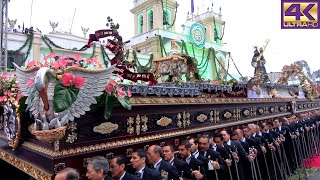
<point>192,6</point>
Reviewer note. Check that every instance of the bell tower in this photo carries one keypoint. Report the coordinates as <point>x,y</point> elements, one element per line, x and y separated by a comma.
<point>153,14</point>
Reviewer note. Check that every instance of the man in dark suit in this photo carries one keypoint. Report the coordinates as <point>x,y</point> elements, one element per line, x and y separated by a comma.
<point>214,163</point>
<point>155,155</point>
<point>118,169</point>
<point>195,166</point>
<point>98,168</point>
<point>239,155</point>
<point>138,161</point>
<point>194,149</point>
<point>168,152</point>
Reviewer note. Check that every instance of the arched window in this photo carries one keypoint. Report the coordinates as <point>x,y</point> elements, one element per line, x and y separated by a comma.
<point>150,19</point>
<point>217,34</point>
<point>166,18</point>
<point>140,24</point>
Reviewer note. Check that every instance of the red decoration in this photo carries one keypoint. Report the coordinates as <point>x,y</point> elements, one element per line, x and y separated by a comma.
<point>127,74</point>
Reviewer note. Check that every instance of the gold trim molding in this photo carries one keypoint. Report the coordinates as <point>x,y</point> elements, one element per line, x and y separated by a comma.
<point>137,140</point>
<point>136,101</point>
<point>26,167</point>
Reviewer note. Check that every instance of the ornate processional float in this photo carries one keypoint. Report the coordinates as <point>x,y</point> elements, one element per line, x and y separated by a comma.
<point>66,108</point>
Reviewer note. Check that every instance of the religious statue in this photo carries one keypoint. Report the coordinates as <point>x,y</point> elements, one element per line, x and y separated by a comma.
<point>53,25</point>
<point>84,31</point>
<point>258,60</point>
<point>12,23</point>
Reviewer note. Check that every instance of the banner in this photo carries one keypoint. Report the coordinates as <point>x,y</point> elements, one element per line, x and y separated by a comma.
<point>127,74</point>
<point>100,34</point>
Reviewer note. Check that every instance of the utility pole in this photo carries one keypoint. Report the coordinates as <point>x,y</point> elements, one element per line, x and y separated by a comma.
<point>3,35</point>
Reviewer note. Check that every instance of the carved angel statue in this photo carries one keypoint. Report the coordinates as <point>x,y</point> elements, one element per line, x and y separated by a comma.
<point>12,23</point>
<point>53,25</point>
<point>84,31</point>
<point>40,93</point>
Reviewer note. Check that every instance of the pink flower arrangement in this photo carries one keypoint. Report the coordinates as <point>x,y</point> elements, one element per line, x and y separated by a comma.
<point>67,80</point>
<point>9,88</point>
<point>112,88</point>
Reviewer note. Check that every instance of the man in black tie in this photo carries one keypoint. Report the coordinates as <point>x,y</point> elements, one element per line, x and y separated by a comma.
<point>214,165</point>
<point>155,155</point>
<point>239,155</point>
<point>195,166</point>
<point>194,149</point>
<point>138,162</point>
<point>118,169</point>
<point>168,152</point>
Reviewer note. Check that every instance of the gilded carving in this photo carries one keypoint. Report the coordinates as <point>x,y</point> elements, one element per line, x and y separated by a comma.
<point>138,124</point>
<point>129,152</point>
<point>265,109</point>
<point>186,119</point>
<point>236,114</point>
<point>246,112</point>
<point>146,147</point>
<point>58,167</point>
<point>72,135</point>
<point>1,121</point>
<point>105,128</point>
<point>30,169</point>
<point>109,155</point>
<point>216,116</point>
<point>202,117</point>
<point>11,122</point>
<point>227,115</point>
<point>56,146</point>
<point>164,121</point>
<point>211,119</point>
<point>130,128</point>
<point>272,109</point>
<point>126,142</point>
<point>179,122</point>
<point>144,126</point>
<point>196,100</point>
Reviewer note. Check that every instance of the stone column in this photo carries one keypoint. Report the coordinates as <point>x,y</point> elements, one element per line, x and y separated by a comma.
<point>97,53</point>
<point>172,19</point>
<point>136,25</point>
<point>145,21</point>
<point>37,41</point>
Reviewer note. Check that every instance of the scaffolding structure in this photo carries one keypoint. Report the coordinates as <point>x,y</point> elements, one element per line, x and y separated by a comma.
<point>4,35</point>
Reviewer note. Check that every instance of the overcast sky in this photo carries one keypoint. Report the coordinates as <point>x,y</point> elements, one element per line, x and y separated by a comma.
<point>248,23</point>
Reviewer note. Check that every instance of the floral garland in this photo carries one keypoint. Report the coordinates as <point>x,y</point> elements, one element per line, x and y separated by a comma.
<point>29,42</point>
<point>29,38</point>
<point>59,47</point>
<point>9,88</point>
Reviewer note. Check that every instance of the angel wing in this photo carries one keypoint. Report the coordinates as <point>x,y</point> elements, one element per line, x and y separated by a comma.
<point>24,76</point>
<point>95,82</point>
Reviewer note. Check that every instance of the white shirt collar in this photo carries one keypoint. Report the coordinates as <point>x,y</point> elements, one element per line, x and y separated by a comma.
<point>171,161</point>
<point>196,154</point>
<point>243,139</point>
<point>188,159</point>
<point>229,142</point>
<point>158,163</point>
<point>122,175</point>
<point>254,135</point>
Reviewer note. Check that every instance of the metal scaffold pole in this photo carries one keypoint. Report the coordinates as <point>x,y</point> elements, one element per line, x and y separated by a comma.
<point>4,35</point>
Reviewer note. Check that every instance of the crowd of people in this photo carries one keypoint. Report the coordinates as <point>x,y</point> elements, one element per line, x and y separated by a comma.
<point>272,149</point>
